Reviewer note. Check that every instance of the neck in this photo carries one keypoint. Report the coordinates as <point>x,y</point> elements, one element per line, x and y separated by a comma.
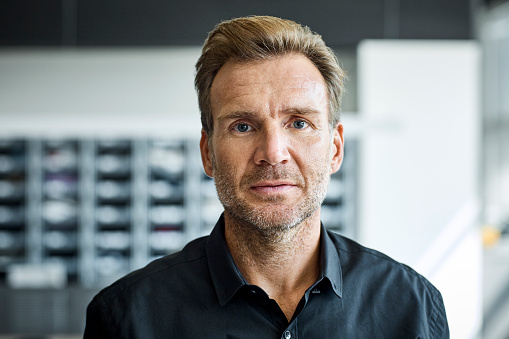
<point>284,264</point>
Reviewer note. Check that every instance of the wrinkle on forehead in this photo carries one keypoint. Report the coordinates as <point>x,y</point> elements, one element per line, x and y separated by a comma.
<point>237,80</point>
<point>239,89</point>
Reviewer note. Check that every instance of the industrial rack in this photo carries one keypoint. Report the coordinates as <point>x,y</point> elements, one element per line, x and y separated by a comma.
<point>104,207</point>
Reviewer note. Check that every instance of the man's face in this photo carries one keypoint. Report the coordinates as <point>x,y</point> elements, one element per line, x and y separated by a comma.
<point>272,151</point>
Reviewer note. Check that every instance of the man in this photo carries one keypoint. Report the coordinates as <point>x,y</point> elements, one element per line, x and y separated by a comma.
<point>269,93</point>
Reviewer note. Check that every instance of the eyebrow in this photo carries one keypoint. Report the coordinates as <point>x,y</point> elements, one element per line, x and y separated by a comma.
<point>252,115</point>
<point>237,115</point>
<point>301,111</point>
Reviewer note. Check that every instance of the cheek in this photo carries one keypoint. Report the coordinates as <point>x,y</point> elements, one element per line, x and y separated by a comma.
<point>315,160</point>
<point>312,148</point>
<point>229,159</point>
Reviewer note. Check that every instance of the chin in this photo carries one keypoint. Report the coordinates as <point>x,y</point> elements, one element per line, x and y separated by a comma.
<point>272,219</point>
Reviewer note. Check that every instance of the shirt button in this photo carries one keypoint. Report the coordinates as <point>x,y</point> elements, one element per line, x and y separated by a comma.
<point>287,335</point>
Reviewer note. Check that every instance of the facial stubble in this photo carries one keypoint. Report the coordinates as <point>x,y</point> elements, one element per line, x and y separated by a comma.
<point>272,217</point>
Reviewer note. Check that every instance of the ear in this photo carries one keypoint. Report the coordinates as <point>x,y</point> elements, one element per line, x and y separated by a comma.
<point>337,148</point>
<point>205,154</point>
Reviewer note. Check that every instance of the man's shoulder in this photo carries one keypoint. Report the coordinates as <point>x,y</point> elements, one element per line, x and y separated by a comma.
<point>351,249</point>
<point>191,260</point>
<point>367,263</point>
<point>372,280</point>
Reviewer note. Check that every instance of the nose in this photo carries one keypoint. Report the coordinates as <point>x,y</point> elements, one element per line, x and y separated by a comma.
<point>272,147</point>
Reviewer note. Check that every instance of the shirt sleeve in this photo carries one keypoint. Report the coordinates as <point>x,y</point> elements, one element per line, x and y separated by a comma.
<point>439,325</point>
<point>98,323</point>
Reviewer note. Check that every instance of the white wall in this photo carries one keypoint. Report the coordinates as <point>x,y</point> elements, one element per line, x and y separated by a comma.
<point>120,91</point>
<point>419,102</point>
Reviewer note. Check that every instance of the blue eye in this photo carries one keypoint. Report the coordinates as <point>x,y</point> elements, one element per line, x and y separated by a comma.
<point>300,124</point>
<point>242,127</point>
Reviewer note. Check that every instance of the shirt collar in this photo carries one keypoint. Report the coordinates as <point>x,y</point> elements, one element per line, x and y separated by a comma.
<point>227,278</point>
<point>225,274</point>
<point>331,266</point>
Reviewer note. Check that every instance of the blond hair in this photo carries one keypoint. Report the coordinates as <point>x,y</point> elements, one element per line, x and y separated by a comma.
<point>258,38</point>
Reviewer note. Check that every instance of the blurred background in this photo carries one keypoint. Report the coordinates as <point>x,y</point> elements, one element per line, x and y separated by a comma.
<point>100,169</point>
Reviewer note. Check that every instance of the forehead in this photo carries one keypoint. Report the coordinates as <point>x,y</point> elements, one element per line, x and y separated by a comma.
<point>289,77</point>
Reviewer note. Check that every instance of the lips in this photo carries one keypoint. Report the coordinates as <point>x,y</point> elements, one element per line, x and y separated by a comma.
<point>272,181</point>
<point>273,184</point>
<point>273,187</point>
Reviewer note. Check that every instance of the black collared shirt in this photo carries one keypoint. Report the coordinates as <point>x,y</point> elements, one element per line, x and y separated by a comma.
<point>200,293</point>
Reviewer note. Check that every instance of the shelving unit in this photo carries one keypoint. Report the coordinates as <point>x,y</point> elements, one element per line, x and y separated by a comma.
<point>104,207</point>
<point>13,204</point>
<point>101,208</point>
<point>58,196</point>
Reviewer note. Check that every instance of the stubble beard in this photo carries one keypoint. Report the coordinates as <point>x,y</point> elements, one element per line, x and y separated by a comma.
<point>272,218</point>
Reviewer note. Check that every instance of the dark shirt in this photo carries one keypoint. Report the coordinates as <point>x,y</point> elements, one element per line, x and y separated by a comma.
<point>200,293</point>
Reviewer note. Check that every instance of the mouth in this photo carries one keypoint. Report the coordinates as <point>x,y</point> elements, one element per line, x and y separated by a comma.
<point>273,187</point>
